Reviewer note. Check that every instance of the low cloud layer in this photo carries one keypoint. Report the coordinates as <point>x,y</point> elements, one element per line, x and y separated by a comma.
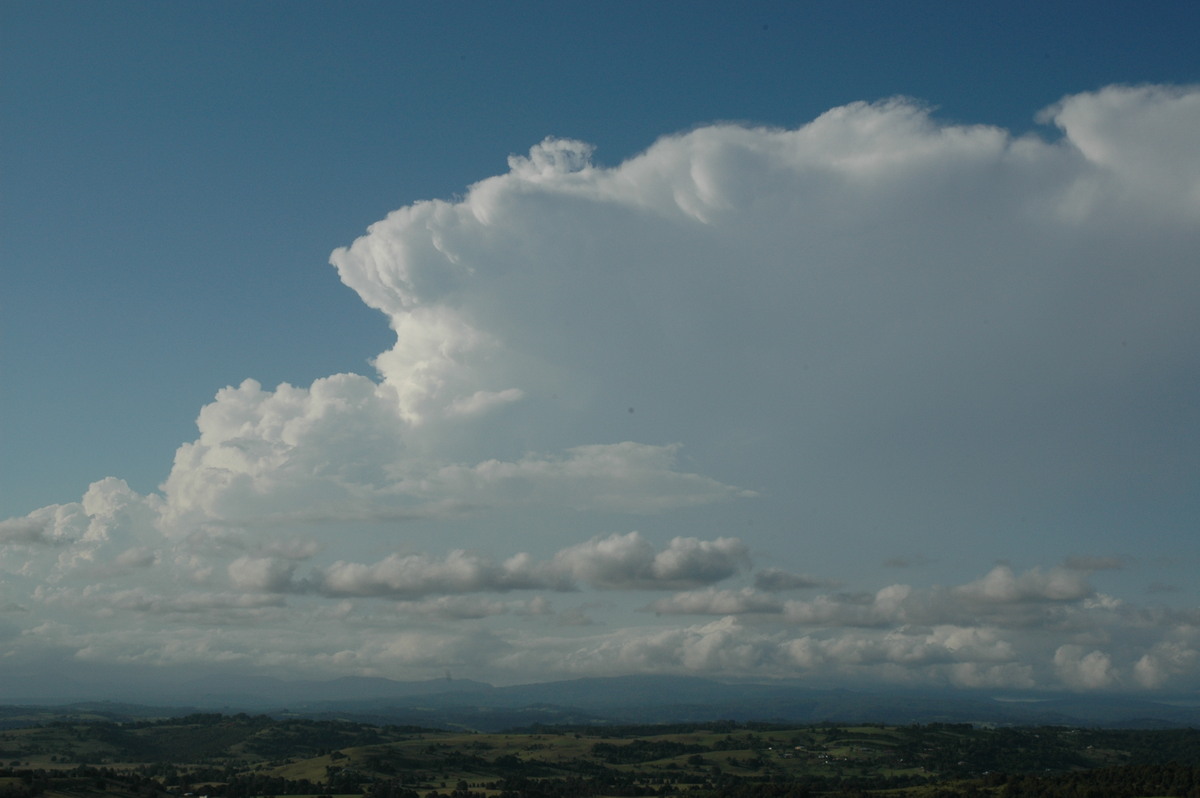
<point>781,356</point>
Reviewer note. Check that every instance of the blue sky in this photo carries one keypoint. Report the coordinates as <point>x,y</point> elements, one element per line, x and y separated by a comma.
<point>770,397</point>
<point>150,131</point>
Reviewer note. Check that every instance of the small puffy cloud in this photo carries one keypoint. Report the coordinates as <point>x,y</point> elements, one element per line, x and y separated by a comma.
<point>1081,669</point>
<point>1002,586</point>
<point>889,636</point>
<point>108,511</point>
<point>630,562</point>
<point>111,527</point>
<point>415,575</point>
<point>972,643</point>
<point>888,605</point>
<point>1101,601</point>
<point>963,656</point>
<point>719,647</point>
<point>614,562</point>
<point>436,648</point>
<point>553,159</point>
<point>1166,660</point>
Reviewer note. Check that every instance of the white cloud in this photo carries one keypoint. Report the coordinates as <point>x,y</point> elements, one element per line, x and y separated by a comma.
<point>138,557</point>
<point>1002,585</point>
<point>719,647</point>
<point>879,330</point>
<point>112,526</point>
<point>418,575</point>
<point>34,529</point>
<point>1166,660</point>
<point>630,562</point>
<point>341,450</point>
<point>1084,670</point>
<point>1137,135</point>
<point>615,562</point>
<point>261,574</point>
<point>888,605</point>
<point>872,638</point>
<point>482,401</point>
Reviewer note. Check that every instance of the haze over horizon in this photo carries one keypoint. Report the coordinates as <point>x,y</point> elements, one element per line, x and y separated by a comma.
<point>890,383</point>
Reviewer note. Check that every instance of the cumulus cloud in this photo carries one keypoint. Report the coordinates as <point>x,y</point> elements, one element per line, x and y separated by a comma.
<point>897,635</point>
<point>340,450</point>
<point>418,575</point>
<point>1166,660</point>
<point>945,655</point>
<point>261,574</point>
<point>888,605</point>
<point>936,647</point>
<point>1002,585</point>
<point>111,527</point>
<point>1081,669</point>
<point>614,562</point>
<point>30,530</point>
<point>718,647</point>
<point>1001,599</point>
<point>944,318</point>
<point>631,562</point>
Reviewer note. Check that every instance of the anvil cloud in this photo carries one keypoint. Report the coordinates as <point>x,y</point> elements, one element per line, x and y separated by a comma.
<point>681,413</point>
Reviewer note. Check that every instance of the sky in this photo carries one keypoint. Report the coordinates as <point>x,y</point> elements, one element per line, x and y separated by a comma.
<point>846,342</point>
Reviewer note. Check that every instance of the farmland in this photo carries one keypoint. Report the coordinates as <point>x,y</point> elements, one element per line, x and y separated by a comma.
<point>243,755</point>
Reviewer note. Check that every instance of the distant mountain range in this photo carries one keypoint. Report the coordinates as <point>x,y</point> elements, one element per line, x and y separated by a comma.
<point>457,703</point>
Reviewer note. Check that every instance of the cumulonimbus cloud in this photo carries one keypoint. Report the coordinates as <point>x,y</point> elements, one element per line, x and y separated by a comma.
<point>873,303</point>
